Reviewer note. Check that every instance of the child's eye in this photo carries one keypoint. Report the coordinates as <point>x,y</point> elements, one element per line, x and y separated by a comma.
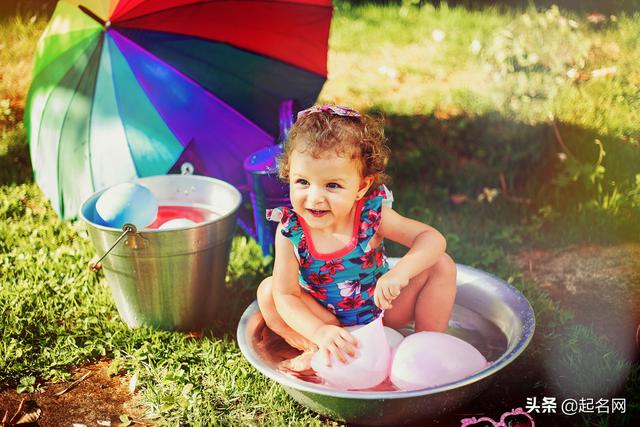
<point>302,181</point>
<point>333,185</point>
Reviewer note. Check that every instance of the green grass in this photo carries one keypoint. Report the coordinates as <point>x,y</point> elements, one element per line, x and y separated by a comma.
<point>495,107</point>
<point>457,118</point>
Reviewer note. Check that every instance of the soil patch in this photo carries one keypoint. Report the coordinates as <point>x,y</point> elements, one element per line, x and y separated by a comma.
<point>599,284</point>
<point>97,400</point>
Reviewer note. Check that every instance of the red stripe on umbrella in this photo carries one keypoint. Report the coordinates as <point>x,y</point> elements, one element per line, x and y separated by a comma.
<point>260,26</point>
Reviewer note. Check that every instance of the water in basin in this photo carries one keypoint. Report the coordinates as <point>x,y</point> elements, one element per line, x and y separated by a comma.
<point>465,324</point>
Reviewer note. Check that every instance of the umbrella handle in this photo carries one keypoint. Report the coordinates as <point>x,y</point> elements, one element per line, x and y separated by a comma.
<point>95,265</point>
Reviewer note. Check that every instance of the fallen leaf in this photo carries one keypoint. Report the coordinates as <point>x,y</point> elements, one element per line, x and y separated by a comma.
<point>31,415</point>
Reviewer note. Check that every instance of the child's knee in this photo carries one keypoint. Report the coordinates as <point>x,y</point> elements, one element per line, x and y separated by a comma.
<point>265,291</point>
<point>446,266</point>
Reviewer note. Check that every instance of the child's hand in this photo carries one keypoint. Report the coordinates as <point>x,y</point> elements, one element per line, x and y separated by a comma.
<point>336,341</point>
<point>388,288</point>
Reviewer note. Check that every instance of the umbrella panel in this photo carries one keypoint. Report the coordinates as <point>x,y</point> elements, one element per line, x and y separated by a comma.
<point>74,163</point>
<point>49,107</point>
<point>252,84</point>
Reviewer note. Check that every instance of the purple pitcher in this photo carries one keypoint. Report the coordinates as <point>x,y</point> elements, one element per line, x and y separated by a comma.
<point>266,191</point>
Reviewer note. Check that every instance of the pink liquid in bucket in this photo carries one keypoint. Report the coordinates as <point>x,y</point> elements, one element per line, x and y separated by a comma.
<point>194,214</point>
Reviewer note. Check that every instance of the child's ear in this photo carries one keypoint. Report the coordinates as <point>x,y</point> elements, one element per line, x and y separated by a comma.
<point>365,184</point>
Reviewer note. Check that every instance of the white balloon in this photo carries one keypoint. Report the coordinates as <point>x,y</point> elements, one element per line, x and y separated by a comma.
<point>127,203</point>
<point>429,359</point>
<point>177,223</point>
<point>370,366</point>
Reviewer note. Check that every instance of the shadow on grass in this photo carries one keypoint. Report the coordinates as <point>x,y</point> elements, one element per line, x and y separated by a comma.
<point>545,171</point>
<point>15,164</point>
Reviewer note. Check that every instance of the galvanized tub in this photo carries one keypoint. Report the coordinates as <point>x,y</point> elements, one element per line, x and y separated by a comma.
<point>489,313</point>
<point>170,279</point>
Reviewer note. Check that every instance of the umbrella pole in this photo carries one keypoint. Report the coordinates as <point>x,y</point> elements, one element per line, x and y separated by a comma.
<point>93,16</point>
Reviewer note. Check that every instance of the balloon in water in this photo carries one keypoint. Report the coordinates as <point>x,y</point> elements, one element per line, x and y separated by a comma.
<point>428,359</point>
<point>177,223</point>
<point>127,203</point>
<point>394,338</point>
<point>370,366</point>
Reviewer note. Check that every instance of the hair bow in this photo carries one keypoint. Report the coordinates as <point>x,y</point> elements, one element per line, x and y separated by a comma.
<point>338,110</point>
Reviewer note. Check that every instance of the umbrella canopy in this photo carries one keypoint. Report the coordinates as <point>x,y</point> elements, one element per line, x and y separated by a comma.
<point>130,88</point>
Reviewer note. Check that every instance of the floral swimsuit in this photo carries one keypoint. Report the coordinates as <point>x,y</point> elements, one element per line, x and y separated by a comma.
<point>342,281</point>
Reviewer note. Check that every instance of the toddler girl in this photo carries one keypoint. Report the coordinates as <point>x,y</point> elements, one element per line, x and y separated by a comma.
<point>330,268</point>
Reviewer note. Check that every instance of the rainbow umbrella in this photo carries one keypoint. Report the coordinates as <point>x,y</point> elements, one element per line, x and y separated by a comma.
<point>131,88</point>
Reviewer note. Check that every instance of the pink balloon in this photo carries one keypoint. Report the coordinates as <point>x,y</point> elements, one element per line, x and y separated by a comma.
<point>429,359</point>
<point>370,366</point>
<point>393,337</point>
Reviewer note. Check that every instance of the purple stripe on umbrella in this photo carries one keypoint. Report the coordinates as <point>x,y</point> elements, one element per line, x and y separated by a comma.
<point>202,122</point>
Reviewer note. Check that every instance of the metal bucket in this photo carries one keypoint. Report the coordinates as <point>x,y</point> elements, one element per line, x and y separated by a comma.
<point>488,313</point>
<point>170,279</point>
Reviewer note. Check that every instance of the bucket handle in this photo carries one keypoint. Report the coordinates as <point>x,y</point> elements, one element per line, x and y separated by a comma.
<point>96,266</point>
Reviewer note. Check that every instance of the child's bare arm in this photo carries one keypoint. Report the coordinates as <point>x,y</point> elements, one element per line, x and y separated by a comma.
<point>287,297</point>
<point>426,245</point>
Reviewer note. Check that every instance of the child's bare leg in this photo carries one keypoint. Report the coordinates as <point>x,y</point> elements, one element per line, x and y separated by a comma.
<point>428,299</point>
<point>279,326</point>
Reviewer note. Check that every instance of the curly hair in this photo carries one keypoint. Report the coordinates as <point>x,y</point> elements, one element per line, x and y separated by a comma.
<point>361,138</point>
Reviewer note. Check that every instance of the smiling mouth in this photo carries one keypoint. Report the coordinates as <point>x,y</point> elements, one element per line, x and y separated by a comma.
<point>317,213</point>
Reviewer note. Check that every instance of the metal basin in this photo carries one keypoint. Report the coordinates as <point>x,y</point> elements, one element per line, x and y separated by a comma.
<point>488,313</point>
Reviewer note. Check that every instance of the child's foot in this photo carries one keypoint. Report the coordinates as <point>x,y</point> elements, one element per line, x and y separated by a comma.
<point>298,364</point>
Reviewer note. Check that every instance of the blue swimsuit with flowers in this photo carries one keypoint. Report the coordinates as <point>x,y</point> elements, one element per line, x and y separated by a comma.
<point>342,281</point>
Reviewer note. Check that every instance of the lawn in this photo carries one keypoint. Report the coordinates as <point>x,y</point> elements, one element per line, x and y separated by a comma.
<point>511,129</point>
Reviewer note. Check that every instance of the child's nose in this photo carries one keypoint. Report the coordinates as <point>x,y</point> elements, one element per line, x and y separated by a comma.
<point>316,194</point>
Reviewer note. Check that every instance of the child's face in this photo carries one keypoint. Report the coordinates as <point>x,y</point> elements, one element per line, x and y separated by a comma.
<point>324,190</point>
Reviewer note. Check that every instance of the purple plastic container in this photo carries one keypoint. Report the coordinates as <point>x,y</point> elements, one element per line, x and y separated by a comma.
<point>266,191</point>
